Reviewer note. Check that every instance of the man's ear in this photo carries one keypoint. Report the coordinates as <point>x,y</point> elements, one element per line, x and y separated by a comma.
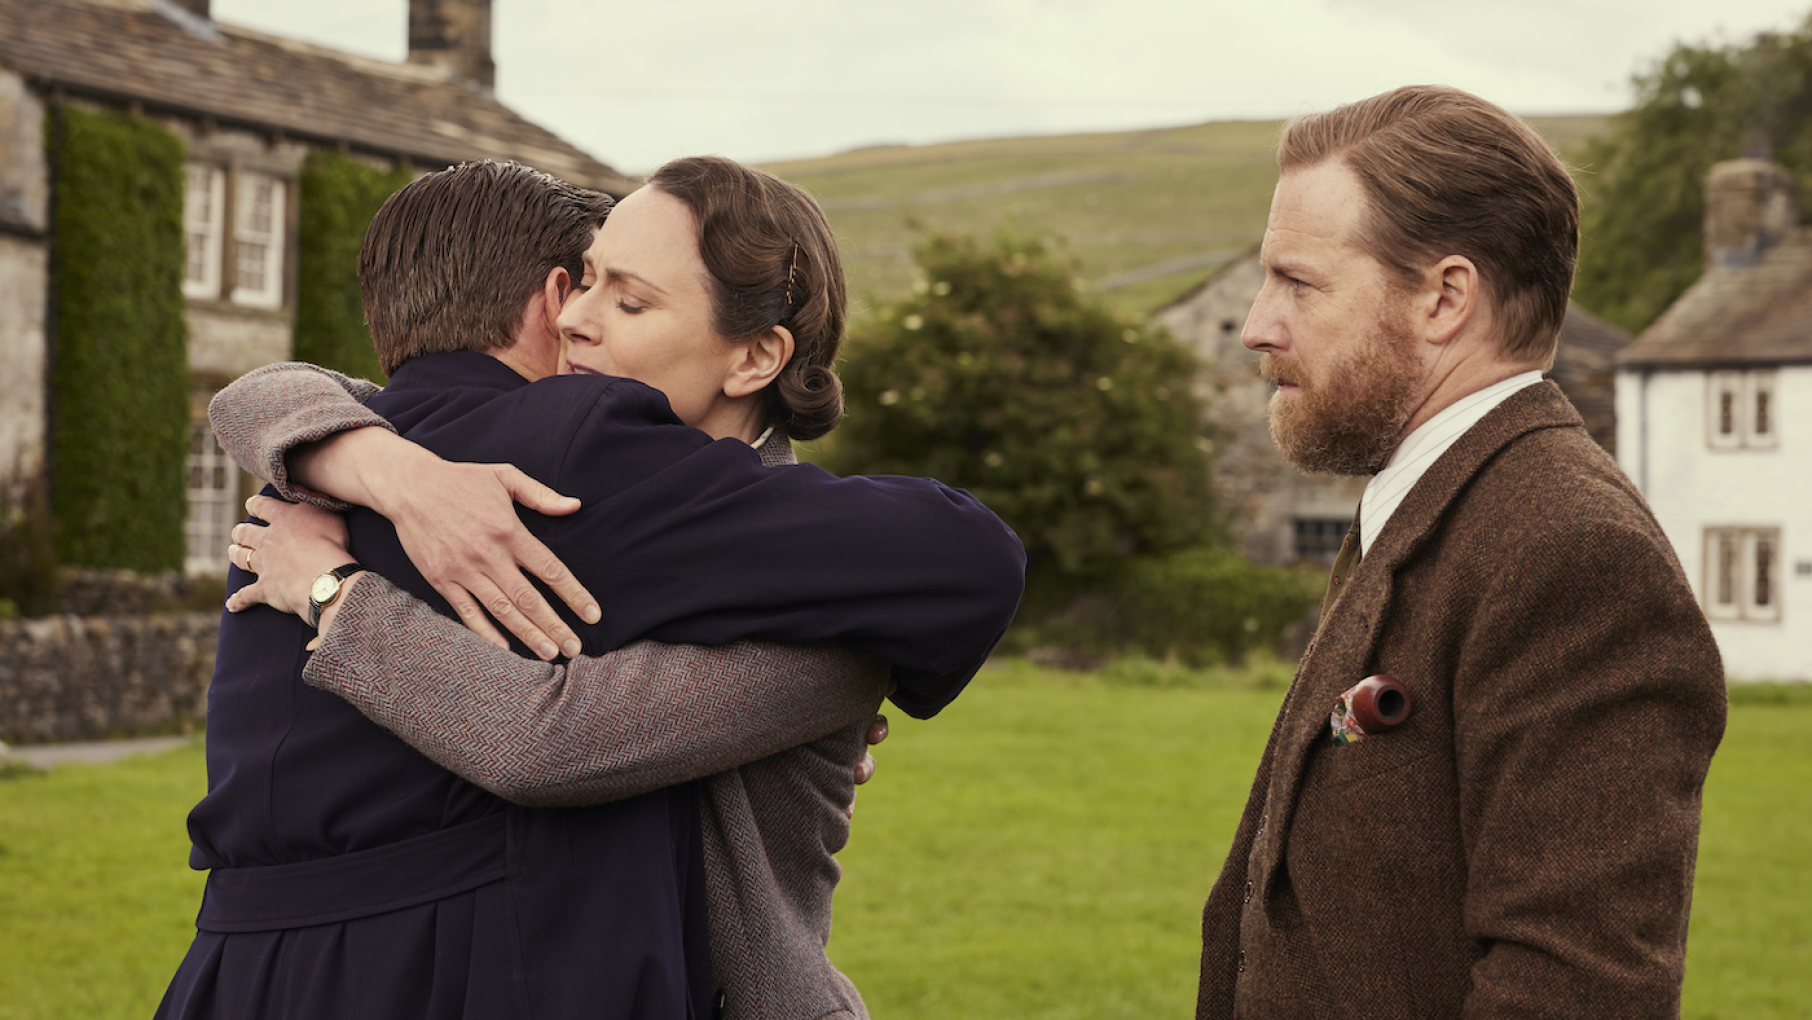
<point>756,362</point>
<point>1454,299</point>
<point>535,348</point>
<point>554,291</point>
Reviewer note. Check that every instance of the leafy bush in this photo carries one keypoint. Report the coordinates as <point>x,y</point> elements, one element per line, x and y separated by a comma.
<point>1208,605</point>
<point>1077,427</point>
<point>339,196</point>
<point>121,386</point>
<point>1261,671</point>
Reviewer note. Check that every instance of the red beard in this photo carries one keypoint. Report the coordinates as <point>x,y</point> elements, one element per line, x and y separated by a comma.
<point>1347,417</point>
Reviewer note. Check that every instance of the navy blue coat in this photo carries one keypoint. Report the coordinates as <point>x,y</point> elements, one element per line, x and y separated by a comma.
<point>352,877</point>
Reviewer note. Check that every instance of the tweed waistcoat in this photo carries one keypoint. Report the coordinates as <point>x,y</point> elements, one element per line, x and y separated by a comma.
<point>1344,563</point>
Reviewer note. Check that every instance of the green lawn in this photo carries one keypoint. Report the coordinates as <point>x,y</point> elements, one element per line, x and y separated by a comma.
<point>1750,949</point>
<point>1042,849</point>
<point>97,902</point>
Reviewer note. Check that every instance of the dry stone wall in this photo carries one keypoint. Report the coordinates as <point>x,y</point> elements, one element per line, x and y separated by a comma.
<point>123,659</point>
<point>80,678</point>
<point>89,678</point>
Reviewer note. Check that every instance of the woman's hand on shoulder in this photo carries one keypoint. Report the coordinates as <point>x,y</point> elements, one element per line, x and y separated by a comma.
<point>459,526</point>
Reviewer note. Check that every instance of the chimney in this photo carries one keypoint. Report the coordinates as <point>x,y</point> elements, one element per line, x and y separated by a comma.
<point>1749,206</point>
<point>451,34</point>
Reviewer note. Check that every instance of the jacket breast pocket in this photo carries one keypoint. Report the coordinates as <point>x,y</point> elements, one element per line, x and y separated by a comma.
<point>1332,765</point>
<point>1380,723</point>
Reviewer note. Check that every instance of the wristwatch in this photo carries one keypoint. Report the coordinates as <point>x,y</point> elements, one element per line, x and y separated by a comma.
<point>325,589</point>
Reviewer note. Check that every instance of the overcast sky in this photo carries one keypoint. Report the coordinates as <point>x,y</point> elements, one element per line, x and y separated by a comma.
<point>760,80</point>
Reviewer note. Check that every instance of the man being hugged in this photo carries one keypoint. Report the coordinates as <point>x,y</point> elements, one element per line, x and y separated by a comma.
<point>1481,796</point>
<point>351,876</point>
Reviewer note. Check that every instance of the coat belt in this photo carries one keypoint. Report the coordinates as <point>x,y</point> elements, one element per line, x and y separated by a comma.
<point>348,886</point>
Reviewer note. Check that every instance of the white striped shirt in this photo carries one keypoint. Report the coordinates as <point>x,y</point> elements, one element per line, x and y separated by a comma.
<point>1415,454</point>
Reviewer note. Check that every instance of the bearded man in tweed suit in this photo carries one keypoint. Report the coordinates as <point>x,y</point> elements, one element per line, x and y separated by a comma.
<point>1515,834</point>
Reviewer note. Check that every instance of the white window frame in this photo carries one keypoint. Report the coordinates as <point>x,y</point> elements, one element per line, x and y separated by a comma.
<point>1761,413</point>
<point>1745,401</point>
<point>1743,573</point>
<point>203,216</point>
<point>212,483</point>
<point>250,235</point>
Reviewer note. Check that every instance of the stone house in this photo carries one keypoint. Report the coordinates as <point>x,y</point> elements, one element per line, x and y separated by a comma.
<point>1279,514</point>
<point>249,108</point>
<point>1713,423</point>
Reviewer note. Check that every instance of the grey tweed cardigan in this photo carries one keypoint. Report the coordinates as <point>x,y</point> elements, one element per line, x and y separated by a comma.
<point>774,730</point>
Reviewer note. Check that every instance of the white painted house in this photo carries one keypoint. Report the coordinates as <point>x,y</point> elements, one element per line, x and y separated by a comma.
<point>1714,423</point>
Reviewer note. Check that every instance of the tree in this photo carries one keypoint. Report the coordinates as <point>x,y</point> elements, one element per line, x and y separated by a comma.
<point>1642,240</point>
<point>998,375</point>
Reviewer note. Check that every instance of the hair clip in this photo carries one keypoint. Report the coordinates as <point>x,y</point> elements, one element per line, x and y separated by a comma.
<point>791,269</point>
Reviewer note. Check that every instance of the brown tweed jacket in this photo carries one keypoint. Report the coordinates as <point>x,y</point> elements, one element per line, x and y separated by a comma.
<point>1523,844</point>
<point>775,730</point>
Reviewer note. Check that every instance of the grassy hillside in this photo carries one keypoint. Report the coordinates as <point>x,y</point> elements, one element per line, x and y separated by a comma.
<point>1145,215</point>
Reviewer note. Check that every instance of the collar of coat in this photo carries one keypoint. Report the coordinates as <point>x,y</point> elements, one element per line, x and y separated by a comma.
<point>1342,649</point>
<point>775,448</point>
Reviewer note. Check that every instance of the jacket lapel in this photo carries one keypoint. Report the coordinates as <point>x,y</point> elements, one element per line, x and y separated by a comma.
<point>1342,651</point>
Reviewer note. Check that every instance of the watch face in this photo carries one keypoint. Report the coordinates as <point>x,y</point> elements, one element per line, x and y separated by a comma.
<point>324,587</point>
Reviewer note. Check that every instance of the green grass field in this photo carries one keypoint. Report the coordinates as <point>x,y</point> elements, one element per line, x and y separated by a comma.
<point>1145,215</point>
<point>1040,850</point>
<point>97,902</point>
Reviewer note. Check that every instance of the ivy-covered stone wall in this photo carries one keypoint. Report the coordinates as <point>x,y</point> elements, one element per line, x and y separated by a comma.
<point>338,199</point>
<point>121,381</point>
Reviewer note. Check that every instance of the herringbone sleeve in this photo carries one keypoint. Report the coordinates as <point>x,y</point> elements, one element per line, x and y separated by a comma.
<point>269,411</point>
<point>598,729</point>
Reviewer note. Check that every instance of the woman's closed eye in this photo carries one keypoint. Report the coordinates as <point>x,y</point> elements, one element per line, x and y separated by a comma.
<point>629,307</point>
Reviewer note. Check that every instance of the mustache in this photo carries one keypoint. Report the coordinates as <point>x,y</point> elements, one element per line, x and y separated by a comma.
<point>1275,370</point>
